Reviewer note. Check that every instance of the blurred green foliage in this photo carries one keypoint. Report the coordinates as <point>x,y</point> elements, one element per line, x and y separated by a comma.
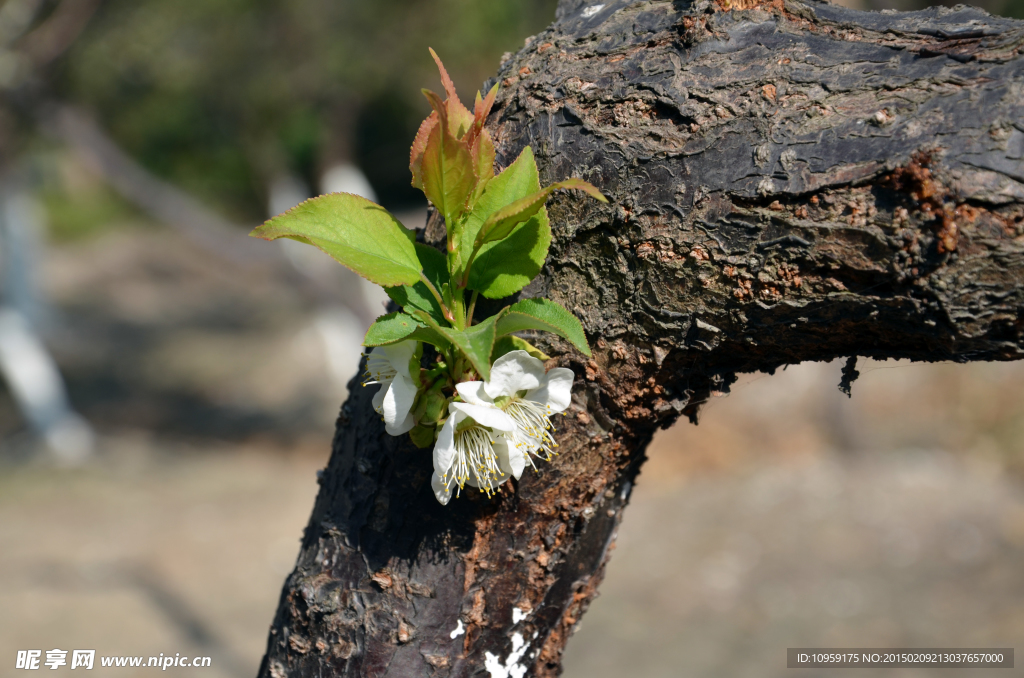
<point>75,216</point>
<point>78,203</point>
<point>219,96</point>
<point>1013,8</point>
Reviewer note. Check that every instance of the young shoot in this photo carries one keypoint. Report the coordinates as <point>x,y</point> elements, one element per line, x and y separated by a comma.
<point>485,404</point>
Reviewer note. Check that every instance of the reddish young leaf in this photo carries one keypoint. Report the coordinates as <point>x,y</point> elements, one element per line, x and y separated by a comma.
<point>447,166</point>
<point>482,110</point>
<point>581,185</point>
<point>459,117</point>
<point>483,164</point>
<point>435,102</point>
<point>419,145</point>
<point>446,81</point>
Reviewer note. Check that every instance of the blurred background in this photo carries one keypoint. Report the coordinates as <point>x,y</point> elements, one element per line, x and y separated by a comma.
<point>169,387</point>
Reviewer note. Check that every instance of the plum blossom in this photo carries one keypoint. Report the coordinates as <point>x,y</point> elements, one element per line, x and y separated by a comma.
<point>471,449</point>
<point>520,388</point>
<point>389,367</point>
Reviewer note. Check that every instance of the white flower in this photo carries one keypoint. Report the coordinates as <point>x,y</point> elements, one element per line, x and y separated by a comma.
<point>520,388</point>
<point>389,367</point>
<point>471,450</point>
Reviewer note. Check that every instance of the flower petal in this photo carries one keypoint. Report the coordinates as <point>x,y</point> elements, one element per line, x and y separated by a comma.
<point>473,393</point>
<point>510,458</point>
<point>378,397</point>
<point>404,427</point>
<point>398,400</point>
<point>484,415</point>
<point>513,372</point>
<point>442,491</point>
<point>399,354</point>
<point>444,448</point>
<point>555,390</point>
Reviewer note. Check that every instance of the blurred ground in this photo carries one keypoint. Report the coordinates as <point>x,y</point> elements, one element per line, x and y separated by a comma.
<point>156,548</point>
<point>790,516</point>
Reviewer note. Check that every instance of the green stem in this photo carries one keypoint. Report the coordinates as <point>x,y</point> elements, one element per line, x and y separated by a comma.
<point>449,227</point>
<point>472,307</point>
<point>457,374</point>
<point>472,258</point>
<point>457,304</point>
<point>437,295</point>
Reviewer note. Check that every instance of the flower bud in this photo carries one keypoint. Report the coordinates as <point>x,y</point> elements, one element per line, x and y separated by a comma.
<point>414,364</point>
<point>422,436</point>
<point>435,405</point>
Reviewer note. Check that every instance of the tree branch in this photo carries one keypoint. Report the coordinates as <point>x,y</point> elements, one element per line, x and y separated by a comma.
<point>170,205</point>
<point>789,181</point>
<point>59,31</point>
<point>164,202</point>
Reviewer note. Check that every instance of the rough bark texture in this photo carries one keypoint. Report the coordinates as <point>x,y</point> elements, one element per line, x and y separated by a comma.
<point>789,181</point>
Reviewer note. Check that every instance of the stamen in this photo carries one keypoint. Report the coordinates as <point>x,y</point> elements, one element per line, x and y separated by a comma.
<point>532,434</point>
<point>474,454</point>
<point>378,370</point>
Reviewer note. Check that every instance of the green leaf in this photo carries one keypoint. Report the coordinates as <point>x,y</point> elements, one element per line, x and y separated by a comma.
<point>509,343</point>
<point>482,150</point>
<point>503,268</point>
<point>390,328</point>
<point>501,223</point>
<point>516,181</point>
<point>507,266</point>
<point>447,167</point>
<point>417,296</point>
<point>546,315</point>
<point>355,232</point>
<point>475,342</point>
<point>429,336</point>
<point>446,295</point>
<point>395,327</point>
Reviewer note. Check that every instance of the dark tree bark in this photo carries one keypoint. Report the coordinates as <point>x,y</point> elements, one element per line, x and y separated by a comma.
<point>789,181</point>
